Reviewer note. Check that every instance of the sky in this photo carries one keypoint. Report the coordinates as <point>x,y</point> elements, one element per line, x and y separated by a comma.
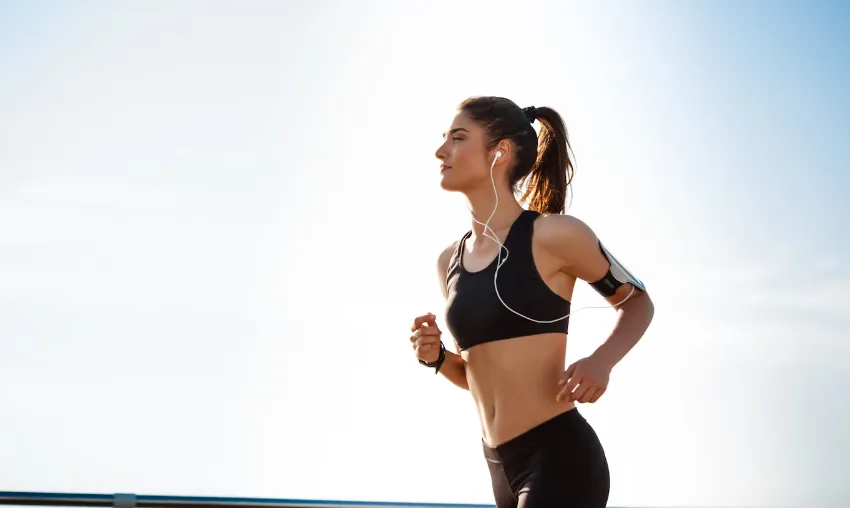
<point>218,220</point>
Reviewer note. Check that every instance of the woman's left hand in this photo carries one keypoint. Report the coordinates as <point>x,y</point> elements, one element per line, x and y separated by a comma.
<point>584,381</point>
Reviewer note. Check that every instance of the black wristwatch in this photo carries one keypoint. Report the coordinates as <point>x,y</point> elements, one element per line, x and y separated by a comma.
<point>439,363</point>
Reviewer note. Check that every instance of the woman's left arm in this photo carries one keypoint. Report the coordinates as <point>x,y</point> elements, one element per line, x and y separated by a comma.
<point>581,255</point>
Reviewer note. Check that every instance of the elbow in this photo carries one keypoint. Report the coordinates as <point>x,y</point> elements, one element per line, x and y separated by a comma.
<point>641,305</point>
<point>648,307</point>
<point>464,380</point>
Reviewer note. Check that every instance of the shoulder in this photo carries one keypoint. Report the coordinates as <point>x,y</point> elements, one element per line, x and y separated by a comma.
<point>443,261</point>
<point>573,243</point>
<point>445,257</point>
<point>555,231</point>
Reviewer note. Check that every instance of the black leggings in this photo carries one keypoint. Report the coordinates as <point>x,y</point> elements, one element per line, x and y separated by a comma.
<point>559,463</point>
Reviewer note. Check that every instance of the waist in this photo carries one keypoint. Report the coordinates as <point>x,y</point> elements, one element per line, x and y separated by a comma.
<point>561,425</point>
<point>514,383</point>
<point>512,420</point>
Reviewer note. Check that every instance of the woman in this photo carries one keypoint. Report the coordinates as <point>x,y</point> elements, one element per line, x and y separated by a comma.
<point>507,307</point>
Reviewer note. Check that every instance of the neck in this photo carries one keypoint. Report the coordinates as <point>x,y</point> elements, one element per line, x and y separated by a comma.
<point>483,201</point>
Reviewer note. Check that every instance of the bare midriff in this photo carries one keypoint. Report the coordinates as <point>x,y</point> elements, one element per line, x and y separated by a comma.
<point>514,383</point>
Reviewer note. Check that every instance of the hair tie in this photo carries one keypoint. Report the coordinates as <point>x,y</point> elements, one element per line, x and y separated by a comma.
<point>530,113</point>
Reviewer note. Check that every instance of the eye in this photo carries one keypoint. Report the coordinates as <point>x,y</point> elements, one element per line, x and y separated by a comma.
<point>457,138</point>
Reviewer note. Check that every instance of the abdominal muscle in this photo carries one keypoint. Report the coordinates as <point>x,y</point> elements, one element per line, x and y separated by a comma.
<point>514,383</point>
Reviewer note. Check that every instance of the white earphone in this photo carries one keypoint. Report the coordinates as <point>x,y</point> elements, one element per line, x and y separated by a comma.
<point>500,262</point>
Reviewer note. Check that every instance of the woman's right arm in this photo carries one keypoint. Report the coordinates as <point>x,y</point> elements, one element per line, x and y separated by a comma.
<point>454,369</point>
<point>425,328</point>
<point>454,366</point>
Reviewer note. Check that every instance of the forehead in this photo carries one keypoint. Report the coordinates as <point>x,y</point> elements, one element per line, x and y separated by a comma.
<point>462,121</point>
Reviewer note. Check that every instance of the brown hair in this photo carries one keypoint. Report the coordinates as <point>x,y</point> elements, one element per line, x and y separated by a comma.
<point>542,161</point>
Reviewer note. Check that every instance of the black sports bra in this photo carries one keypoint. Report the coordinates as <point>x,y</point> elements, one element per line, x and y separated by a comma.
<point>474,313</point>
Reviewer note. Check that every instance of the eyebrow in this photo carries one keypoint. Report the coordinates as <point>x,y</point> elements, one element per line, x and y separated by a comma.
<point>456,129</point>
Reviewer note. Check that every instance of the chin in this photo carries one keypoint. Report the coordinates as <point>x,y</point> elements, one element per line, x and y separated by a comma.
<point>447,183</point>
<point>469,183</point>
<point>446,186</point>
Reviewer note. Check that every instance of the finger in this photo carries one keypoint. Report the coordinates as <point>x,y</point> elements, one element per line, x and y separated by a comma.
<point>420,320</point>
<point>570,370</point>
<point>417,322</point>
<point>573,383</point>
<point>567,374</point>
<point>424,348</point>
<point>429,340</point>
<point>566,391</point>
<point>428,352</point>
<point>427,331</point>
<point>419,342</point>
<point>586,395</point>
<point>579,392</point>
<point>562,395</point>
<point>598,393</point>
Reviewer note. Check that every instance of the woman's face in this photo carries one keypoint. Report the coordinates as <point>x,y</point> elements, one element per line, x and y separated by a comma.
<point>464,156</point>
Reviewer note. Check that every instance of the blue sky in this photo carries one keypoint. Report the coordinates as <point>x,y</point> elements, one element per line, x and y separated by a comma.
<point>217,221</point>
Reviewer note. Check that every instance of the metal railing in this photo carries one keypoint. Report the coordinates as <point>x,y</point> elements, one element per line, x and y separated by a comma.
<point>142,501</point>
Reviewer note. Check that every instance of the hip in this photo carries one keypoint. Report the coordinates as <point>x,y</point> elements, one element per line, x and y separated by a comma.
<point>560,462</point>
<point>567,432</point>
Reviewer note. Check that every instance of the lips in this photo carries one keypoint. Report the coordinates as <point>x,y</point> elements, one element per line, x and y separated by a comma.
<point>443,167</point>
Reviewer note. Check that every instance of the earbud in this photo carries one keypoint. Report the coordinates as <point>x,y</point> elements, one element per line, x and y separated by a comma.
<point>498,154</point>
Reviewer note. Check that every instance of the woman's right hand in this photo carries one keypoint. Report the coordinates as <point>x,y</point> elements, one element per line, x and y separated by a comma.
<point>426,338</point>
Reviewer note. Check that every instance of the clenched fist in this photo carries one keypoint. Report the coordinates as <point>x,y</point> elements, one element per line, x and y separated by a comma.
<point>426,338</point>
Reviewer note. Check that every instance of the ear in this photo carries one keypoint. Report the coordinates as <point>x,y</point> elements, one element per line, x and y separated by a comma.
<point>506,148</point>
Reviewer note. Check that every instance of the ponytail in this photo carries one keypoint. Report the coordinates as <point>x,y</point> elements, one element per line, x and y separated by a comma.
<point>543,168</point>
<point>547,183</point>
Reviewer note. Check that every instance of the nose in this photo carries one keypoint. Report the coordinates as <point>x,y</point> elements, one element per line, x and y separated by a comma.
<point>441,152</point>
